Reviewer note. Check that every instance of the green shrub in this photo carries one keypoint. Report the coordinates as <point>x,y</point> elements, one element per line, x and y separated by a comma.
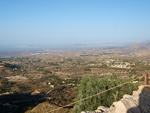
<point>142,79</point>
<point>46,71</point>
<point>130,76</point>
<point>93,85</point>
<point>87,69</point>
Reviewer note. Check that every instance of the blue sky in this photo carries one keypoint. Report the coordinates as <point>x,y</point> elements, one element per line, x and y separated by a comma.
<point>64,22</point>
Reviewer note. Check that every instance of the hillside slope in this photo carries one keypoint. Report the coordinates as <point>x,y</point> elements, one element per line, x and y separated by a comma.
<point>46,107</point>
<point>138,47</point>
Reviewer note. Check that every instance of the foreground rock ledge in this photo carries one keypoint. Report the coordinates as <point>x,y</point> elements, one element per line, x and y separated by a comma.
<point>138,102</point>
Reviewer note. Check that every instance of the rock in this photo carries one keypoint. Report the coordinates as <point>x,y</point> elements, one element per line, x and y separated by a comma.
<point>120,108</point>
<point>100,109</point>
<point>135,92</point>
<point>144,99</point>
<point>144,88</point>
<point>114,104</point>
<point>35,92</point>
<point>127,96</point>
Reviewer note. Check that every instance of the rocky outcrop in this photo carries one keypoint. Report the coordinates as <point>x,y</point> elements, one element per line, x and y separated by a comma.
<point>35,92</point>
<point>138,102</point>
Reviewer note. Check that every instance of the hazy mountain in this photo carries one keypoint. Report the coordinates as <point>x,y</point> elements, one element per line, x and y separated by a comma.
<point>137,47</point>
<point>141,45</point>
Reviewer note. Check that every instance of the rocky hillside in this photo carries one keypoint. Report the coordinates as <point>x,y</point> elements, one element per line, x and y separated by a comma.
<point>141,45</point>
<point>62,96</point>
<point>138,47</point>
<point>46,107</point>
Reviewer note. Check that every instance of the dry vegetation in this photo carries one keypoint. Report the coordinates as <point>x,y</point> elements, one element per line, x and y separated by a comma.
<point>61,71</point>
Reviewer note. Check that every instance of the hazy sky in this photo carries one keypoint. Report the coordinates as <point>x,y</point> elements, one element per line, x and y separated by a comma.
<point>24,22</point>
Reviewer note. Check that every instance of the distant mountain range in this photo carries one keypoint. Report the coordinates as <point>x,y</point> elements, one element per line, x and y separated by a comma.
<point>141,45</point>
<point>130,47</point>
